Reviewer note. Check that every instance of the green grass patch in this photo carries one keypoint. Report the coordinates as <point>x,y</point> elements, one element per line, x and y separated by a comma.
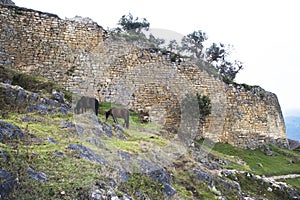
<point>69,176</point>
<point>65,180</point>
<point>130,146</point>
<point>42,126</point>
<point>295,182</point>
<point>104,107</point>
<point>139,183</point>
<point>189,187</point>
<point>141,136</point>
<point>260,163</point>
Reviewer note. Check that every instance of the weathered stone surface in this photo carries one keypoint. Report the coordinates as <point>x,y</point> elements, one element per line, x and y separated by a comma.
<point>168,190</point>
<point>25,101</point>
<point>9,131</point>
<point>7,182</point>
<point>58,96</point>
<point>51,140</point>
<point>204,176</point>
<point>294,144</point>
<point>230,185</point>
<point>3,154</point>
<point>88,154</point>
<point>66,124</point>
<point>38,176</point>
<point>96,142</point>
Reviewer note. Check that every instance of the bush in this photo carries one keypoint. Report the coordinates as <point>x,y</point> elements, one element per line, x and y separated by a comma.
<point>204,106</point>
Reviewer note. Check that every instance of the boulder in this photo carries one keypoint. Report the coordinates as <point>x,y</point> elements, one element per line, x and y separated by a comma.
<point>66,124</point>
<point>7,182</point>
<point>9,131</point>
<point>168,190</point>
<point>294,144</point>
<point>51,140</point>
<point>88,154</point>
<point>58,96</point>
<point>204,176</point>
<point>38,176</point>
<point>3,154</point>
<point>229,185</point>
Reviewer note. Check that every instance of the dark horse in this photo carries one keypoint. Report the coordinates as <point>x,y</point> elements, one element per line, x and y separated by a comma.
<point>85,103</point>
<point>119,113</point>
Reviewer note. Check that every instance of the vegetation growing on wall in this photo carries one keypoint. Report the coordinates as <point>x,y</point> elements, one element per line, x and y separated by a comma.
<point>31,82</point>
<point>204,107</point>
<point>192,45</point>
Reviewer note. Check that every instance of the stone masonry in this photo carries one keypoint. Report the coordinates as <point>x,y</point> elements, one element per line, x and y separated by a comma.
<point>83,57</point>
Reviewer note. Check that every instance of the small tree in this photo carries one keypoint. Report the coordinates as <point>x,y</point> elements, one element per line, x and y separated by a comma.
<point>156,42</point>
<point>129,24</point>
<point>204,107</point>
<point>173,46</point>
<point>193,43</point>
<point>215,52</point>
<point>219,56</point>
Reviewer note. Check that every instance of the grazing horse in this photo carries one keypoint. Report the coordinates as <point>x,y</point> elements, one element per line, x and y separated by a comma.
<point>119,113</point>
<point>87,102</point>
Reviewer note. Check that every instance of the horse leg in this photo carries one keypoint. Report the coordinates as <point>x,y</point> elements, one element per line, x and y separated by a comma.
<point>126,122</point>
<point>96,107</point>
<point>115,119</point>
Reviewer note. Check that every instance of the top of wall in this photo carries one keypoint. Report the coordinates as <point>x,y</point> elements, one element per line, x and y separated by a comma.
<point>22,10</point>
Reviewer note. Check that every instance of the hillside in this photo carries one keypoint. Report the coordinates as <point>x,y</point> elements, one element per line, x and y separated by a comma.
<point>48,152</point>
<point>293,127</point>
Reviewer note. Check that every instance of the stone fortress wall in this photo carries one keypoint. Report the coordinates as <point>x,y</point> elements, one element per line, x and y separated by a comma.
<point>79,54</point>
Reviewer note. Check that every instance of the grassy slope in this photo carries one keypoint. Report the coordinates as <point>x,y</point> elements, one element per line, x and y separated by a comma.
<point>259,163</point>
<point>70,177</point>
<point>295,182</point>
<point>282,162</point>
<point>64,177</point>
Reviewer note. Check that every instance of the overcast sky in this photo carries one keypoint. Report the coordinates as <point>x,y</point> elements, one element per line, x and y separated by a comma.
<point>265,33</point>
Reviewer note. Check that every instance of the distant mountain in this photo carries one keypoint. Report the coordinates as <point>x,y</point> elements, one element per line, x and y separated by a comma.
<point>293,127</point>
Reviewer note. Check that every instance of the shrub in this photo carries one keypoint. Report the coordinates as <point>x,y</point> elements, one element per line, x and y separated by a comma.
<point>204,106</point>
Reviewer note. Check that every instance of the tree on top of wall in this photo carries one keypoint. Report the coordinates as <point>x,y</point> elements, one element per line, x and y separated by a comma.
<point>130,24</point>
<point>193,43</point>
<point>219,56</point>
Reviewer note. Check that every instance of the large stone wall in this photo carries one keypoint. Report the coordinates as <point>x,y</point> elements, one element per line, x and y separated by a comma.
<point>255,116</point>
<point>43,44</point>
<point>79,54</point>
